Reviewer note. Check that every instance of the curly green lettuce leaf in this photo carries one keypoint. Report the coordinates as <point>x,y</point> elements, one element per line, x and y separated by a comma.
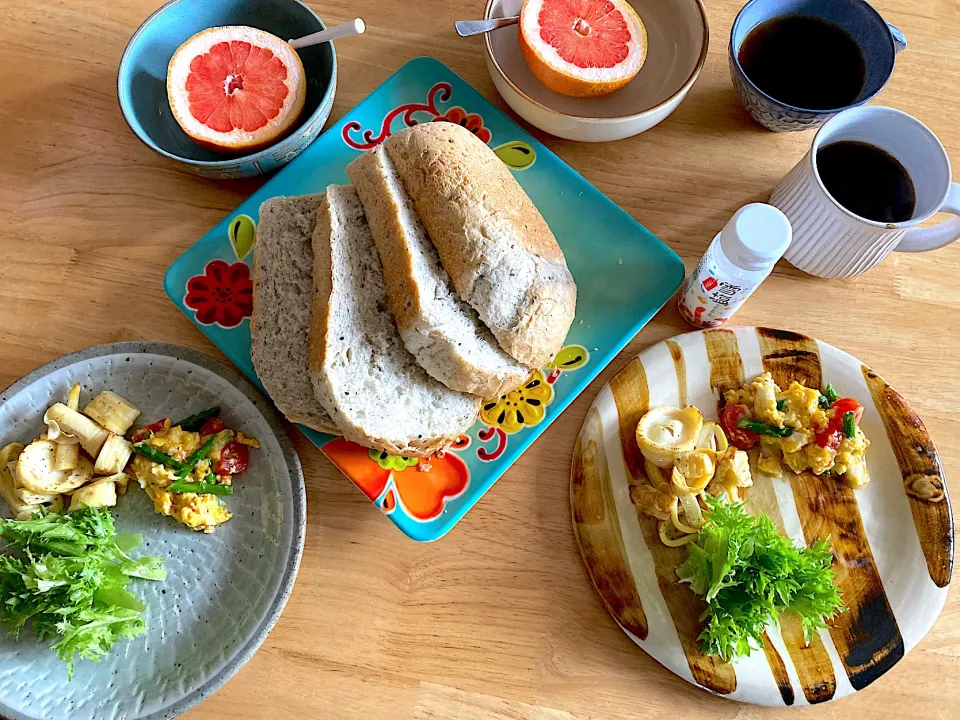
<point>68,576</point>
<point>749,575</point>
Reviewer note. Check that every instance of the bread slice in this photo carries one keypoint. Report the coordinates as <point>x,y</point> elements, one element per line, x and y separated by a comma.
<point>497,248</point>
<point>282,306</point>
<point>441,331</point>
<point>361,372</point>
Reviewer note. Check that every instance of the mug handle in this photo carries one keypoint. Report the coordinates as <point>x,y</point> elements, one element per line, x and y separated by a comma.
<point>938,236</point>
<point>899,39</point>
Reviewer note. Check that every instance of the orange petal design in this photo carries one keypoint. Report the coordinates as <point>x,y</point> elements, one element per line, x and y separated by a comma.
<point>354,461</point>
<point>423,494</point>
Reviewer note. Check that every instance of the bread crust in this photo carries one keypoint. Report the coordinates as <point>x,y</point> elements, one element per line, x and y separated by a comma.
<point>260,350</point>
<point>475,210</point>
<point>439,352</point>
<point>324,288</point>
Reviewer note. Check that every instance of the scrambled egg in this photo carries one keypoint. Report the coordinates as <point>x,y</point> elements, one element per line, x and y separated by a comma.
<point>197,512</point>
<point>799,451</point>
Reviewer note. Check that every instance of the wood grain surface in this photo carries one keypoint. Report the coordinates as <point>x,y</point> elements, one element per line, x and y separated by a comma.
<point>499,619</point>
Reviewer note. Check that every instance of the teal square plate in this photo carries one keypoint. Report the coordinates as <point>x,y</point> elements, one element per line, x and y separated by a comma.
<point>624,276</point>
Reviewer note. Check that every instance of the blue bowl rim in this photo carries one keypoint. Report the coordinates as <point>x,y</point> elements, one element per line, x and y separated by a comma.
<point>230,162</point>
<point>832,111</point>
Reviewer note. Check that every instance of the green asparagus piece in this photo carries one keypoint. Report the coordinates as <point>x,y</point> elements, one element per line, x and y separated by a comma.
<point>195,422</point>
<point>762,428</point>
<point>151,453</point>
<point>831,393</point>
<point>850,424</point>
<point>199,455</point>
<point>201,488</point>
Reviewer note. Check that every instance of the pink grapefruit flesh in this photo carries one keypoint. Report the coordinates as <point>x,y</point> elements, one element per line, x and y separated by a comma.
<point>582,48</point>
<point>235,89</point>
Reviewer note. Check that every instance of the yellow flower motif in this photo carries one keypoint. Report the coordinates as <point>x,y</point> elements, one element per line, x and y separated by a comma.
<point>523,407</point>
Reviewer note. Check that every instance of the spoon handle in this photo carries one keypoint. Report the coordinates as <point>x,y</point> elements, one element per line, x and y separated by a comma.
<point>466,28</point>
<point>354,27</point>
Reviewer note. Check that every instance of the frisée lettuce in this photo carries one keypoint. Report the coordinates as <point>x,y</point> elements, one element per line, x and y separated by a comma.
<point>749,574</point>
<point>68,576</point>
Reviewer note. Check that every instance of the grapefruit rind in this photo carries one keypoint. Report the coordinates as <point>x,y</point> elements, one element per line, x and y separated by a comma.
<point>236,139</point>
<point>567,78</point>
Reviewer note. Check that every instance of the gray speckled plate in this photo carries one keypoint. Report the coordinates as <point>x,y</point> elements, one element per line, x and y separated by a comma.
<point>224,591</point>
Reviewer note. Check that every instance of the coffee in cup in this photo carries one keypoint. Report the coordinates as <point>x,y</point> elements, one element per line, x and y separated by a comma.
<point>871,177</point>
<point>797,63</point>
<point>867,180</point>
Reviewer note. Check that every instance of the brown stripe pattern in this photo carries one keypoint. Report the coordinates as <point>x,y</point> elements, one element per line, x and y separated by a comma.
<point>726,365</point>
<point>681,367</point>
<point>779,671</point>
<point>598,529</point>
<point>632,397</point>
<point>866,636</point>
<point>922,473</point>
<point>812,663</point>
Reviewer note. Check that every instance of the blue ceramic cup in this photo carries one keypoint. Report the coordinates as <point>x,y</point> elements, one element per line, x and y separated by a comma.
<point>142,81</point>
<point>878,41</point>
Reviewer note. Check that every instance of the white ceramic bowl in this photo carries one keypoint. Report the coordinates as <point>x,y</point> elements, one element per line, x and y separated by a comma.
<point>677,34</point>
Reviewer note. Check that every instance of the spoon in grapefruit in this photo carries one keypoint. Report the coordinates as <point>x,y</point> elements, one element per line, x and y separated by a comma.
<point>582,48</point>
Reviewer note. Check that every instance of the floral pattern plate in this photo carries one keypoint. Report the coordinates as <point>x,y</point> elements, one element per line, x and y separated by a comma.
<point>624,275</point>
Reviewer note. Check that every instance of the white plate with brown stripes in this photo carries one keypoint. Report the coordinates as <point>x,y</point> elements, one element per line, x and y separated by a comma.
<point>892,541</point>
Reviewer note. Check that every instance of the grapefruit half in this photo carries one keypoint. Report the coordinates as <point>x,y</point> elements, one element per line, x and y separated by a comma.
<point>582,48</point>
<point>236,89</point>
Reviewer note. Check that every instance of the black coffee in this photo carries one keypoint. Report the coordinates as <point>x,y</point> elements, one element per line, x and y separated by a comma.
<point>867,181</point>
<point>804,61</point>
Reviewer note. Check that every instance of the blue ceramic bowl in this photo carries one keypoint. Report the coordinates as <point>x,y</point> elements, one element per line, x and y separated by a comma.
<point>878,40</point>
<point>142,81</point>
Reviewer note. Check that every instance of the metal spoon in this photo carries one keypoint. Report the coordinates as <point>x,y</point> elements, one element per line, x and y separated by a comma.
<point>466,28</point>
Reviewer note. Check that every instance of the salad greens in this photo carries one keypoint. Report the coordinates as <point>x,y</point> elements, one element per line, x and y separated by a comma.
<point>749,575</point>
<point>68,574</point>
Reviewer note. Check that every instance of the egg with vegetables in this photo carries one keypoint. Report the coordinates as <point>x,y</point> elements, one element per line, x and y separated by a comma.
<point>800,429</point>
<point>186,467</point>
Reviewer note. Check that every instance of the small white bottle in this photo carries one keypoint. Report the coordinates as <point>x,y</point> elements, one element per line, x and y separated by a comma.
<point>737,261</point>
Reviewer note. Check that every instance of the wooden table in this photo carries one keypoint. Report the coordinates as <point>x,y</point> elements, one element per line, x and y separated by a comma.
<point>498,619</point>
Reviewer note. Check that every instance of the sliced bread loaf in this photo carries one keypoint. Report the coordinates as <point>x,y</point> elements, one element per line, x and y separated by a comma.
<point>282,306</point>
<point>441,331</point>
<point>497,248</point>
<point>362,373</point>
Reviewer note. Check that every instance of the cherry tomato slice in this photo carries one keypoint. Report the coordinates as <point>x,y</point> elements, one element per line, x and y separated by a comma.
<point>743,439</point>
<point>845,405</point>
<point>832,435</point>
<point>829,438</point>
<point>234,459</point>
<point>212,426</point>
<point>152,429</point>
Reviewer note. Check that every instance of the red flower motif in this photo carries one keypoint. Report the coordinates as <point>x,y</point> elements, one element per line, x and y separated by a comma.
<point>223,295</point>
<point>471,121</point>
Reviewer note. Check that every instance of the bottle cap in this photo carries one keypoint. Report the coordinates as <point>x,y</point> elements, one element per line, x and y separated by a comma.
<point>756,236</point>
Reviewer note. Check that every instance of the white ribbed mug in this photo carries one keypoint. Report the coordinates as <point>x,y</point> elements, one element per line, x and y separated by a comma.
<point>829,240</point>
